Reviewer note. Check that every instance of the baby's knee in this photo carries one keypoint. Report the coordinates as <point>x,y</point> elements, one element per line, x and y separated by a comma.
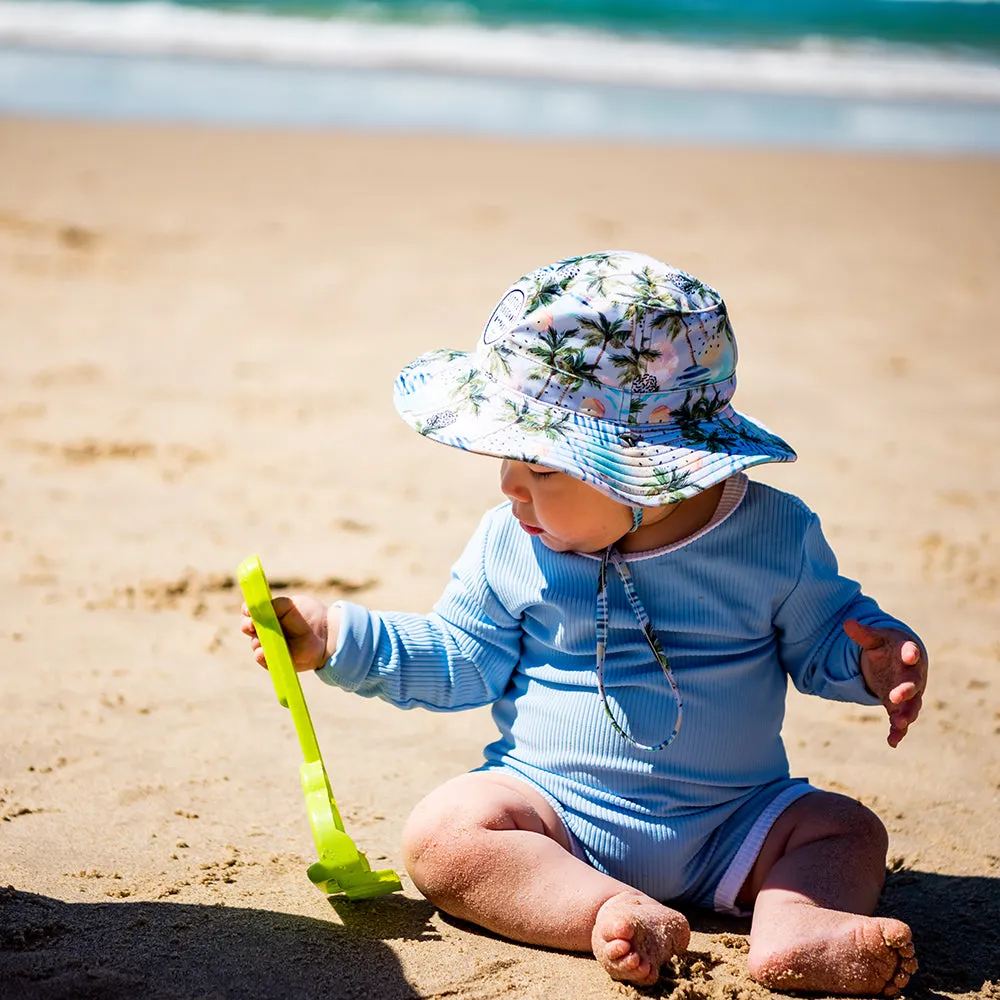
<point>873,830</point>
<point>423,835</point>
<point>440,850</point>
<point>833,815</point>
<point>857,819</point>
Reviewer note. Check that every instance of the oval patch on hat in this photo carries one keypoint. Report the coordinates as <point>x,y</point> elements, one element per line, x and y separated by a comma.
<point>505,316</point>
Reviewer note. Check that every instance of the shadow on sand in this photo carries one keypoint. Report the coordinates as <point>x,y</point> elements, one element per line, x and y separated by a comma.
<point>956,926</point>
<point>51,950</point>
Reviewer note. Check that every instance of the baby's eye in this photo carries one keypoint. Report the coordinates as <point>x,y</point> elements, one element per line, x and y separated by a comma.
<point>541,473</point>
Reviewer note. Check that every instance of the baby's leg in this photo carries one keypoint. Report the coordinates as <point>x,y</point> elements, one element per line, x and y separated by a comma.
<point>816,882</point>
<point>490,849</point>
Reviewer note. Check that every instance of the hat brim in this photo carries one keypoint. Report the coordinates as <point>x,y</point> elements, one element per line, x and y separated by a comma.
<point>447,397</point>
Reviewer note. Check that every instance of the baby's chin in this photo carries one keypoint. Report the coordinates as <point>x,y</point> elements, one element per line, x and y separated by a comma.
<point>555,544</point>
<point>562,545</point>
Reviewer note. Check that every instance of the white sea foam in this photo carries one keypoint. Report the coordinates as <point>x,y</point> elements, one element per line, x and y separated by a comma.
<point>816,66</point>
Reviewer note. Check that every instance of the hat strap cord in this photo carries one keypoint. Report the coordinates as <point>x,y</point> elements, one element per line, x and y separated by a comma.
<point>647,628</point>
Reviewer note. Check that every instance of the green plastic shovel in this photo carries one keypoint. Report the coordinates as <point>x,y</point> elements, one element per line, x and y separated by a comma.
<point>341,868</point>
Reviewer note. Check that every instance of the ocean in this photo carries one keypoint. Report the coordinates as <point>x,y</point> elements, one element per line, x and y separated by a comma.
<point>913,75</point>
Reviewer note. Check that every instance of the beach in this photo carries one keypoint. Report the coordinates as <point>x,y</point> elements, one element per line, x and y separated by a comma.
<point>200,330</point>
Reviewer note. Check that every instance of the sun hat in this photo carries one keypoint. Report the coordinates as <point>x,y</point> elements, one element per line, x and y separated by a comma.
<point>613,367</point>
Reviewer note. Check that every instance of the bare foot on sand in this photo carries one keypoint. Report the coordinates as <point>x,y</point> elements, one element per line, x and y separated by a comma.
<point>634,935</point>
<point>813,948</point>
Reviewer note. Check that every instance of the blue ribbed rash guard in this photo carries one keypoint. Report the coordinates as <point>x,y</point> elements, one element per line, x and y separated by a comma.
<point>739,608</point>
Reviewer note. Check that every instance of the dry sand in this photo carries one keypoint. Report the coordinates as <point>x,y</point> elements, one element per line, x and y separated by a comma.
<point>199,332</point>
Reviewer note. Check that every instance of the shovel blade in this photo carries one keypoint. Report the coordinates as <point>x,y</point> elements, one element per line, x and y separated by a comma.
<point>358,884</point>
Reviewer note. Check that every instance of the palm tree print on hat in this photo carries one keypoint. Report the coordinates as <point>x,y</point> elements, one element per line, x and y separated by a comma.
<point>673,325</point>
<point>549,423</point>
<point>706,297</point>
<point>603,268</point>
<point>671,481</point>
<point>549,351</point>
<point>573,372</point>
<point>692,416</point>
<point>633,362</point>
<point>691,288</point>
<point>605,333</point>
<point>617,369</point>
<point>549,285</point>
<point>498,358</point>
<point>646,295</point>
<point>468,390</point>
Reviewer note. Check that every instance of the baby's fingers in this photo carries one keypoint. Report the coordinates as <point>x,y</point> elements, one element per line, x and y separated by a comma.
<point>906,691</point>
<point>258,652</point>
<point>910,674</point>
<point>247,626</point>
<point>901,717</point>
<point>896,734</point>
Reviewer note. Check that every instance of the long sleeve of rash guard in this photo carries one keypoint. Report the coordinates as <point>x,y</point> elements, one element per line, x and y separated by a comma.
<point>824,661</point>
<point>461,655</point>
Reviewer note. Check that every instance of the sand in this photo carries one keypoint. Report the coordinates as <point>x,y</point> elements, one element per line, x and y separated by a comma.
<point>199,333</point>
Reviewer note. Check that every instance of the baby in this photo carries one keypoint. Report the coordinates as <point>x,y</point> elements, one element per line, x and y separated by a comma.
<point>633,613</point>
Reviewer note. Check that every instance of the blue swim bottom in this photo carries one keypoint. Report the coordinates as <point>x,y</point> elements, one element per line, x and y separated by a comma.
<point>734,847</point>
<point>698,857</point>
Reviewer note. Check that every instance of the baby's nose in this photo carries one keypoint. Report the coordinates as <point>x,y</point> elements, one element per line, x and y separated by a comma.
<point>514,482</point>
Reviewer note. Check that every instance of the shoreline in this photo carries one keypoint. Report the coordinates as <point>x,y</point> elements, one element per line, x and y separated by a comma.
<point>139,87</point>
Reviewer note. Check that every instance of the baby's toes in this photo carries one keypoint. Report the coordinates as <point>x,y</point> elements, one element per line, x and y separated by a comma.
<point>617,949</point>
<point>634,969</point>
<point>905,967</point>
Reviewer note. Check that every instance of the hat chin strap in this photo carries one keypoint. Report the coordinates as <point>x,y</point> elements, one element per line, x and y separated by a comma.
<point>636,519</point>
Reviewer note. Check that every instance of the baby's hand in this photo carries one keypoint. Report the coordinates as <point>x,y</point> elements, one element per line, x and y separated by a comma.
<point>310,630</point>
<point>894,666</point>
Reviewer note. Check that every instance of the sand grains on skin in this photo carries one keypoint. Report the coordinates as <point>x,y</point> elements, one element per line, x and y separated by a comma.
<point>827,950</point>
<point>635,935</point>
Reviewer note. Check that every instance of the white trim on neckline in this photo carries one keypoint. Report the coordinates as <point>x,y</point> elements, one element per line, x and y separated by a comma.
<point>733,494</point>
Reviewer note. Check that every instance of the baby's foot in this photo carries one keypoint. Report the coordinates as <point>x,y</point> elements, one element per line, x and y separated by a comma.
<point>830,951</point>
<point>634,935</point>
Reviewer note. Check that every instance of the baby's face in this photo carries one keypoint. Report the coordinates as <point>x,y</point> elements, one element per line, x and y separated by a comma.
<point>566,514</point>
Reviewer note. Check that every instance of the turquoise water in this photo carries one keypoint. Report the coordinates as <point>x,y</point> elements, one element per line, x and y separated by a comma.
<point>874,74</point>
<point>950,24</point>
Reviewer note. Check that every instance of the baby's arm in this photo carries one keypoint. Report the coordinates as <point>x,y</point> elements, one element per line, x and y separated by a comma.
<point>444,660</point>
<point>459,656</point>
<point>837,643</point>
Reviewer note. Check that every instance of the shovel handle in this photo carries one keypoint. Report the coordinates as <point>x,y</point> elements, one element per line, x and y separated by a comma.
<point>341,867</point>
<point>257,594</point>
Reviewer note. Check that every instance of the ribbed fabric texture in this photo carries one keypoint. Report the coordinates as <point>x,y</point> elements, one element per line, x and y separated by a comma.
<point>739,609</point>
